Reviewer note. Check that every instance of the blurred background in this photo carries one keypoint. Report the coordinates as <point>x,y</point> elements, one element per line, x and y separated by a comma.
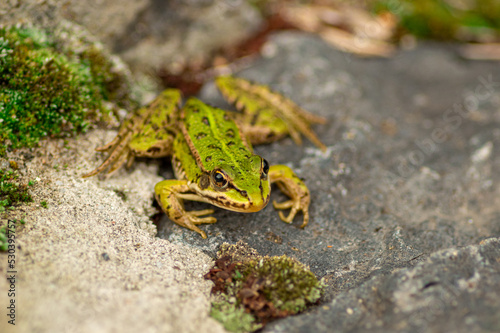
<point>183,43</point>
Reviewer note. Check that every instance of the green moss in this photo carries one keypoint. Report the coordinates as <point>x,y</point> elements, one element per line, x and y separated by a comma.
<point>11,192</point>
<point>286,283</point>
<point>233,316</point>
<point>44,204</point>
<point>111,84</point>
<point>439,19</point>
<point>264,288</point>
<point>47,90</point>
<point>4,240</point>
<point>4,244</point>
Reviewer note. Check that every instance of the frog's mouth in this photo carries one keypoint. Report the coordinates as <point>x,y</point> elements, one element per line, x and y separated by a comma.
<point>233,199</point>
<point>251,204</point>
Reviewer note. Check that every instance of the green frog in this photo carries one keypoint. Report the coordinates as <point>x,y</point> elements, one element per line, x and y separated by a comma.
<point>211,151</point>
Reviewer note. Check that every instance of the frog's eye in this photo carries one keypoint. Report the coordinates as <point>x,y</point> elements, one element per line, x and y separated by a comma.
<point>219,178</point>
<point>265,169</point>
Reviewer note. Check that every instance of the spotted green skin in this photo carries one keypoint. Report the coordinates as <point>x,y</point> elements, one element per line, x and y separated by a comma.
<point>210,140</point>
<point>211,151</point>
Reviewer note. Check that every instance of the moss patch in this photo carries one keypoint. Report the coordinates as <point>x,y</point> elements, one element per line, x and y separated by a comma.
<point>12,192</point>
<point>233,316</point>
<point>49,89</point>
<point>253,290</point>
<point>4,238</point>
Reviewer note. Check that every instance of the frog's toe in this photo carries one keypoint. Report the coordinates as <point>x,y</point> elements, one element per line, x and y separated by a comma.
<point>295,208</point>
<point>283,205</point>
<point>201,232</point>
<point>191,219</point>
<point>197,220</point>
<point>306,217</point>
<point>201,212</point>
<point>287,219</point>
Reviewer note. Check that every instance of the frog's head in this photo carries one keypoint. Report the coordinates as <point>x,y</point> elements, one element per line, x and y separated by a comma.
<point>242,187</point>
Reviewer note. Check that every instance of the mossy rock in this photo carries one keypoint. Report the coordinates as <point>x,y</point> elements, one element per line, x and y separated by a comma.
<point>51,87</point>
<point>252,290</point>
<point>11,192</point>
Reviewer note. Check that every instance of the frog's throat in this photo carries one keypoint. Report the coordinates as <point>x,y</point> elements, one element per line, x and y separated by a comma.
<point>250,205</point>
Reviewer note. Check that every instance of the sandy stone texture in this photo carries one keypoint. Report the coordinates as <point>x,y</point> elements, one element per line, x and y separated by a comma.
<point>89,262</point>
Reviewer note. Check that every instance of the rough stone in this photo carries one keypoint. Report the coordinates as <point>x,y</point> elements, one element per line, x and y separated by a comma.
<point>453,290</point>
<point>413,145</point>
<point>148,34</point>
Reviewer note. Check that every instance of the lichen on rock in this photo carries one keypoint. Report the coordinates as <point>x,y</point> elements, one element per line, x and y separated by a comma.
<point>252,290</point>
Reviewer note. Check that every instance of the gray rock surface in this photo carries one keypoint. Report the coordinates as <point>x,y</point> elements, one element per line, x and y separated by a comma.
<point>172,34</point>
<point>148,34</point>
<point>454,290</point>
<point>413,146</point>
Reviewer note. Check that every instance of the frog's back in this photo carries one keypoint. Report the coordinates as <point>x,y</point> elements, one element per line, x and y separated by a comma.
<point>213,137</point>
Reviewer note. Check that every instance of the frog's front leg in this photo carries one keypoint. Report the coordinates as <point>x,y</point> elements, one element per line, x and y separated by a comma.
<point>295,189</point>
<point>170,195</point>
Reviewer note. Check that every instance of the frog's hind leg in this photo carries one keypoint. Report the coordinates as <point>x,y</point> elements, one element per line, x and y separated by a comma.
<point>149,132</point>
<point>170,195</point>
<point>120,154</point>
<point>267,115</point>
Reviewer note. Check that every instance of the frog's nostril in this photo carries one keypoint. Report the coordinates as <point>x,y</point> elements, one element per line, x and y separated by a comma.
<point>244,193</point>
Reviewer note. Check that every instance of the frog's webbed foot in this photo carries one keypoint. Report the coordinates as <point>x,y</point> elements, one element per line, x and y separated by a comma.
<point>268,116</point>
<point>170,195</point>
<point>295,189</point>
<point>146,133</point>
<point>296,206</point>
